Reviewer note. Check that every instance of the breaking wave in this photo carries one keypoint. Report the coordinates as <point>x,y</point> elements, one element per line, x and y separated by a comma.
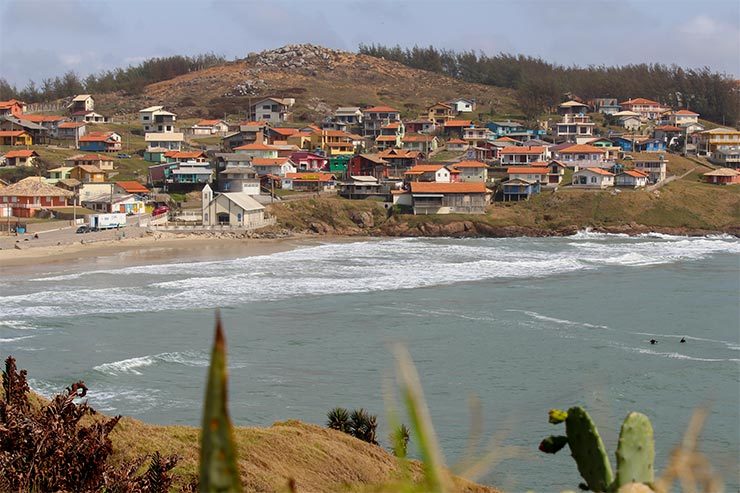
<point>338,268</point>
<point>134,365</point>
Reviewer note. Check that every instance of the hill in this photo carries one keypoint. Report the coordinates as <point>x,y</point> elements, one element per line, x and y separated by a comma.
<point>320,79</point>
<point>317,459</point>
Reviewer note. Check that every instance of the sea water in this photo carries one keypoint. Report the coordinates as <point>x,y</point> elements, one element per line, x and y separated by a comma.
<point>524,324</point>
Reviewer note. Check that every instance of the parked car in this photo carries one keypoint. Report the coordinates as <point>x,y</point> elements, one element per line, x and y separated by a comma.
<point>84,229</point>
<point>162,209</point>
<point>123,155</point>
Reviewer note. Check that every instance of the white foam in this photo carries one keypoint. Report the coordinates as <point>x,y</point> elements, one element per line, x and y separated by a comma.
<point>133,365</point>
<point>14,339</point>
<point>561,321</point>
<point>367,266</point>
<point>673,355</point>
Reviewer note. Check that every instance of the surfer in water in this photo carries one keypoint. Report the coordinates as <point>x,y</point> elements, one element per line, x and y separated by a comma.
<point>653,341</point>
<point>683,339</point>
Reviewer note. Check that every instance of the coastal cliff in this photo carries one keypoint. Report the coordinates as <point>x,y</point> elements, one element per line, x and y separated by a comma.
<point>683,208</point>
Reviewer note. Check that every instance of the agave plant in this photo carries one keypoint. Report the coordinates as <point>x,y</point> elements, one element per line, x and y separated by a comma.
<point>338,419</point>
<point>364,426</point>
<point>400,440</point>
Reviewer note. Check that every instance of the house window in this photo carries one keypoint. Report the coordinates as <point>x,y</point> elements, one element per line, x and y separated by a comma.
<point>145,118</point>
<point>266,116</point>
<point>593,179</point>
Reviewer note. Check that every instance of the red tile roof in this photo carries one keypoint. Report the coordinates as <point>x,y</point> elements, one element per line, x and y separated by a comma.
<point>425,168</point>
<point>184,154</point>
<point>457,141</point>
<point>470,164</point>
<point>640,101</point>
<point>42,118</point>
<point>523,150</point>
<point>132,187</point>
<point>21,153</point>
<point>12,133</point>
<point>669,128</point>
<point>635,173</point>
<point>269,161</point>
<point>284,131</point>
<point>598,171</point>
<point>457,187</point>
<point>418,138</point>
<point>386,138</point>
<point>208,123</point>
<point>381,109</point>
<point>458,123</point>
<point>685,112</point>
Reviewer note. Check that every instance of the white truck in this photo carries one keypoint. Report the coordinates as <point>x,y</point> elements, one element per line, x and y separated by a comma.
<point>107,221</point>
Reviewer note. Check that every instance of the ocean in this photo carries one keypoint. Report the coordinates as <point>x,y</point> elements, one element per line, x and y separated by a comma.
<point>523,324</point>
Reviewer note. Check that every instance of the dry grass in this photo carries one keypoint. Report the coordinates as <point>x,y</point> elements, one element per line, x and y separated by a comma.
<point>317,459</point>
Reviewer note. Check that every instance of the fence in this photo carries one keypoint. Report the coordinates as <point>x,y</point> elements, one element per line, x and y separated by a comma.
<point>248,226</point>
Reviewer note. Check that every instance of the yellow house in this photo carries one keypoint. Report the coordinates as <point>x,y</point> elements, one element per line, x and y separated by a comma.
<point>333,142</point>
<point>15,138</point>
<point>300,139</point>
<point>440,113</point>
<point>709,140</point>
<point>87,173</point>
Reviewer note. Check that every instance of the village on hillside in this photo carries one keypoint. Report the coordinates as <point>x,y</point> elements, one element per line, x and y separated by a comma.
<point>79,165</point>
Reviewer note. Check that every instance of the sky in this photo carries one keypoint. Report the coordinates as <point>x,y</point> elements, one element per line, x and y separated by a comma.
<point>45,38</point>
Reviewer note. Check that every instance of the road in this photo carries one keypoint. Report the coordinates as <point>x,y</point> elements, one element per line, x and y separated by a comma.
<point>69,235</point>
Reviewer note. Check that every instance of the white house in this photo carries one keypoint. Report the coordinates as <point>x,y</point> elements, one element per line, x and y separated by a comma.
<point>593,178</point>
<point>656,169</point>
<point>82,102</point>
<point>271,109</point>
<point>231,208</point>
<point>273,166</point>
<point>574,126</point>
<point>682,117</point>
<point>209,127</point>
<point>430,172</point>
<point>523,154</point>
<point>239,179</point>
<point>156,119</point>
<point>171,141</point>
<point>581,156</point>
<point>472,171</point>
<point>350,115</point>
<point>258,150</point>
<point>462,105</point>
<point>631,178</point>
<point>88,117</point>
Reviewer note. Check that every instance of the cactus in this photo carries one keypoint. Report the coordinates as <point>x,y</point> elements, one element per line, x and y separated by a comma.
<point>553,444</point>
<point>556,416</point>
<point>218,465</point>
<point>636,451</point>
<point>635,454</point>
<point>588,450</point>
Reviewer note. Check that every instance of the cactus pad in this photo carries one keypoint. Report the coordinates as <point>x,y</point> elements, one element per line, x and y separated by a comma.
<point>636,451</point>
<point>588,450</point>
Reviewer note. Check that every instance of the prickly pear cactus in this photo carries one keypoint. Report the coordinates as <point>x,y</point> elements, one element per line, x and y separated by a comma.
<point>553,444</point>
<point>218,466</point>
<point>636,451</point>
<point>556,416</point>
<point>588,450</point>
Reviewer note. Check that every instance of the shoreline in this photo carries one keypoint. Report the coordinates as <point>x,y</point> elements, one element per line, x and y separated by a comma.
<point>199,247</point>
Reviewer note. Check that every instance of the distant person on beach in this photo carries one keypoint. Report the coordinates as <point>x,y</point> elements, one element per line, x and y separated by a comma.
<point>653,341</point>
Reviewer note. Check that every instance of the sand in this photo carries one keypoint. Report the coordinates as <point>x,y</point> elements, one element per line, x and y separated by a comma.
<point>144,250</point>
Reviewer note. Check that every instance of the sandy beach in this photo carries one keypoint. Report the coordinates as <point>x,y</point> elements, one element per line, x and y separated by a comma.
<point>144,250</point>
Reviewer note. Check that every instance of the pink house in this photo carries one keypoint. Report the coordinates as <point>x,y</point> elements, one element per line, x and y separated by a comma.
<point>308,161</point>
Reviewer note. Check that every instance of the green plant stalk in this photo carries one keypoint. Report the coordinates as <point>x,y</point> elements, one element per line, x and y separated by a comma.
<point>421,423</point>
<point>219,471</point>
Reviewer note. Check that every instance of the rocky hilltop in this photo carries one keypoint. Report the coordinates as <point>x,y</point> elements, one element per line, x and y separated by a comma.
<point>320,79</point>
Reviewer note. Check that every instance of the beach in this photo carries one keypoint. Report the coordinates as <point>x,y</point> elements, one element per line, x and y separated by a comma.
<point>156,248</point>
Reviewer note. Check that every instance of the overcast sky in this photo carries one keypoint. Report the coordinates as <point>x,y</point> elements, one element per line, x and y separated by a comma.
<point>42,38</point>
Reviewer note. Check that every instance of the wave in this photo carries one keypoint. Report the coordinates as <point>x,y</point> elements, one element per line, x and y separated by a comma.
<point>132,365</point>
<point>673,355</point>
<point>561,321</point>
<point>333,268</point>
<point>14,339</point>
<point>17,325</point>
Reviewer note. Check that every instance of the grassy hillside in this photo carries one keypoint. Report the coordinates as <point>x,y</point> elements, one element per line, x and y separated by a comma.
<point>685,206</point>
<point>318,459</point>
<point>318,78</point>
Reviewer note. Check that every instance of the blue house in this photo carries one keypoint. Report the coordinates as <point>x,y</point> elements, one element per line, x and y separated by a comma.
<point>517,189</point>
<point>650,145</point>
<point>504,128</point>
